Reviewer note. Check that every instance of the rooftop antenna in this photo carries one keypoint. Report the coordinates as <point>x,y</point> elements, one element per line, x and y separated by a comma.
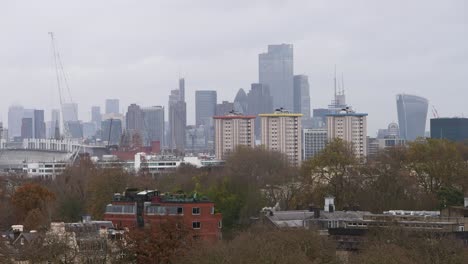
<point>335,81</point>
<point>342,84</point>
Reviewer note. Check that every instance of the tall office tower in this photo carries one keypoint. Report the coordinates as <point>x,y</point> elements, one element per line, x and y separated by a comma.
<point>15,116</point>
<point>70,112</point>
<point>240,102</point>
<point>412,115</point>
<point>259,100</point>
<point>282,132</point>
<point>302,95</point>
<point>231,131</point>
<point>454,129</point>
<point>313,141</point>
<point>75,128</point>
<point>96,117</point>
<point>177,118</point>
<point>111,131</point>
<point>39,124</point>
<point>112,106</point>
<point>205,107</point>
<point>276,69</point>
<point>153,120</point>
<point>351,127</point>
<point>27,127</point>
<point>3,133</point>
<point>224,108</point>
<point>134,119</point>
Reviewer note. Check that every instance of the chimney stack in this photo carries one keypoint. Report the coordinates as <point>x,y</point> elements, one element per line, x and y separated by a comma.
<point>329,204</point>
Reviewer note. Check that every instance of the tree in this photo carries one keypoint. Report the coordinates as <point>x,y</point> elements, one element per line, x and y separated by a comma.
<point>333,171</point>
<point>29,197</point>
<point>159,243</point>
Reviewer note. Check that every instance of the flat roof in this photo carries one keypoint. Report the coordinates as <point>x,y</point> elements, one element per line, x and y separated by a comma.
<point>234,117</point>
<point>348,114</point>
<point>281,114</point>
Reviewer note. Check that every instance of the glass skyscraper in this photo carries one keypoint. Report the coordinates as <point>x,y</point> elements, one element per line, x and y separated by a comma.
<point>412,115</point>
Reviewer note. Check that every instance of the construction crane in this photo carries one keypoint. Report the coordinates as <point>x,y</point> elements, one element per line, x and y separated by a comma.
<point>61,81</point>
<point>435,114</point>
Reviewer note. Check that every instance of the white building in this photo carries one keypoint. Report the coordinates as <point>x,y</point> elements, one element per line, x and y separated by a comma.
<point>231,131</point>
<point>313,141</point>
<point>281,131</point>
<point>351,127</point>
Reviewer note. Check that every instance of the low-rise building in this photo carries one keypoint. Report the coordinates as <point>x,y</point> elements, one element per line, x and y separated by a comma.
<point>145,208</point>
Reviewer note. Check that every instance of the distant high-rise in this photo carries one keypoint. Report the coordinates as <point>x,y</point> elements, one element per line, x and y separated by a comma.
<point>153,119</point>
<point>454,129</point>
<point>75,129</point>
<point>282,132</point>
<point>196,139</point>
<point>314,141</point>
<point>205,107</point>
<point>96,117</point>
<point>111,131</point>
<point>15,116</point>
<point>70,112</point>
<point>240,102</point>
<point>39,124</point>
<point>89,130</point>
<point>259,100</point>
<point>276,69</point>
<point>134,118</point>
<point>231,131</point>
<point>27,127</point>
<point>177,118</point>
<point>412,115</point>
<point>224,108</point>
<point>351,127</point>
<point>112,106</point>
<point>302,95</point>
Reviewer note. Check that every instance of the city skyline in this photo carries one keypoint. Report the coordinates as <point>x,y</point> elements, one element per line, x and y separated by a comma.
<point>103,64</point>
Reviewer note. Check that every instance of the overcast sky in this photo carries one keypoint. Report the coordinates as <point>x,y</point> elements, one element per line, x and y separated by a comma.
<point>137,50</point>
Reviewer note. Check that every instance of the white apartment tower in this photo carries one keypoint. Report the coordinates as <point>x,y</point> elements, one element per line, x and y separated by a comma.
<point>231,131</point>
<point>281,131</point>
<point>351,127</point>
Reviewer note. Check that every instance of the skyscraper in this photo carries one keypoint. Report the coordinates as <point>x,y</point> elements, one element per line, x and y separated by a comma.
<point>177,117</point>
<point>231,131</point>
<point>39,124</point>
<point>111,131</point>
<point>351,127</point>
<point>276,69</point>
<point>259,100</point>
<point>112,106</point>
<point>205,107</point>
<point>134,119</point>
<point>96,117</point>
<point>412,115</point>
<point>70,112</point>
<point>27,127</point>
<point>240,102</point>
<point>302,96</point>
<point>15,116</point>
<point>153,120</point>
<point>282,132</point>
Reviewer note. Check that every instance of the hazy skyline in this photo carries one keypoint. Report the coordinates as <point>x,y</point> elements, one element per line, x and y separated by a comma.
<point>136,51</point>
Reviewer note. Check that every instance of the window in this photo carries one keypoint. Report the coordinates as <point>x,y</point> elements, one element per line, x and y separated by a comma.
<point>180,210</point>
<point>196,210</point>
<point>220,224</point>
<point>212,210</point>
<point>196,225</point>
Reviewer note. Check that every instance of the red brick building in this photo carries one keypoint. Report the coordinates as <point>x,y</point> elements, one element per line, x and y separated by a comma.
<point>143,208</point>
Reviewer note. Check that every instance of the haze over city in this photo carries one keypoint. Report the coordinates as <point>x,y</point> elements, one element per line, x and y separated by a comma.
<point>137,51</point>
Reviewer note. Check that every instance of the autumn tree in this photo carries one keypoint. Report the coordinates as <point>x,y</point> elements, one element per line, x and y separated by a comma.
<point>159,243</point>
<point>32,202</point>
